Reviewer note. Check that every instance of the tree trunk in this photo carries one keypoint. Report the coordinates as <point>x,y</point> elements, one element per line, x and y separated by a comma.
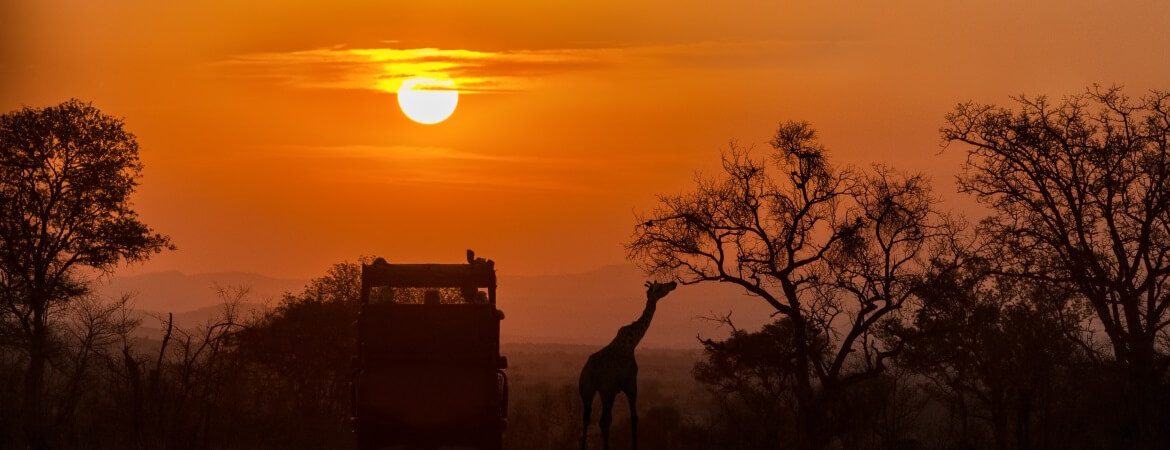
<point>134,376</point>
<point>1144,391</point>
<point>69,405</point>
<point>36,423</point>
<point>1023,420</point>
<point>999,429</point>
<point>805,397</point>
<point>964,421</point>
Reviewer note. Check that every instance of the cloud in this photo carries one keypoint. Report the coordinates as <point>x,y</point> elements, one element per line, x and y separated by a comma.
<point>384,69</point>
<point>474,71</point>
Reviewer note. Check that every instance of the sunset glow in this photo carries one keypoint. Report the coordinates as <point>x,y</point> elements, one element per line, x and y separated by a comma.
<point>607,104</point>
<point>372,224</point>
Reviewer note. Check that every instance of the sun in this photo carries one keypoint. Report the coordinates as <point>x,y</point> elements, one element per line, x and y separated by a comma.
<point>427,100</point>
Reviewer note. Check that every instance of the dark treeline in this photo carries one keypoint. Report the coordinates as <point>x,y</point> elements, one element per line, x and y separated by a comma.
<point>897,324</point>
<point>1042,326</point>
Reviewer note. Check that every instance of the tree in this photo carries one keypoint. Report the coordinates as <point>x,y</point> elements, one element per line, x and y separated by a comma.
<point>751,375</point>
<point>1081,198</point>
<point>301,356</point>
<point>836,252</point>
<point>66,176</point>
<point>997,349</point>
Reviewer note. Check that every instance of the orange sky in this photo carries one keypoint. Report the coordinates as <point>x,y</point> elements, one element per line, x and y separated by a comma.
<point>272,144</point>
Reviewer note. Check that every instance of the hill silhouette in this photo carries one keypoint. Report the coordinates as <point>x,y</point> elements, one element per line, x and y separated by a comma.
<point>588,308</point>
<point>581,308</point>
<point>177,292</point>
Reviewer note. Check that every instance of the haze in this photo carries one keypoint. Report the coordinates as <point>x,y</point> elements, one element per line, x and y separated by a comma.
<point>273,143</point>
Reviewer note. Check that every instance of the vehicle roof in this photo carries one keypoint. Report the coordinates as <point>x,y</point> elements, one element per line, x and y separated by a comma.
<point>479,274</point>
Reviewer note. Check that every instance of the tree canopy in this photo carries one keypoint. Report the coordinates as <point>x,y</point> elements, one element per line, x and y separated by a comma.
<point>67,173</point>
<point>1080,192</point>
<point>837,252</point>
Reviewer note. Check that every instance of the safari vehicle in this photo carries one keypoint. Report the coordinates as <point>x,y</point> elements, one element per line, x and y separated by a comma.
<point>429,371</point>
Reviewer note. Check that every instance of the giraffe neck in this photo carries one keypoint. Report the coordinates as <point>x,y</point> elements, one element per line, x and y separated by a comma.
<point>643,321</point>
<point>630,335</point>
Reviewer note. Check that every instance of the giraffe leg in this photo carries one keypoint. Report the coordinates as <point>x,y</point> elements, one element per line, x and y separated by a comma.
<point>587,402</point>
<point>632,400</point>
<point>606,416</point>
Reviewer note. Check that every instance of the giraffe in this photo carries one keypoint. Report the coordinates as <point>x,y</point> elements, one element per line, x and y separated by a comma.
<point>613,369</point>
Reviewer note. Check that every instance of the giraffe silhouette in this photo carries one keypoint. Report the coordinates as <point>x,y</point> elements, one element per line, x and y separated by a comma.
<point>613,369</point>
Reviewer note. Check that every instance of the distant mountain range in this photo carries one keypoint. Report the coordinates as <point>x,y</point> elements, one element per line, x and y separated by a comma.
<point>178,292</point>
<point>585,308</point>
<point>588,308</point>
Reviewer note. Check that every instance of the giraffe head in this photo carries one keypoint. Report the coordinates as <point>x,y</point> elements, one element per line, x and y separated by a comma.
<point>655,290</point>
